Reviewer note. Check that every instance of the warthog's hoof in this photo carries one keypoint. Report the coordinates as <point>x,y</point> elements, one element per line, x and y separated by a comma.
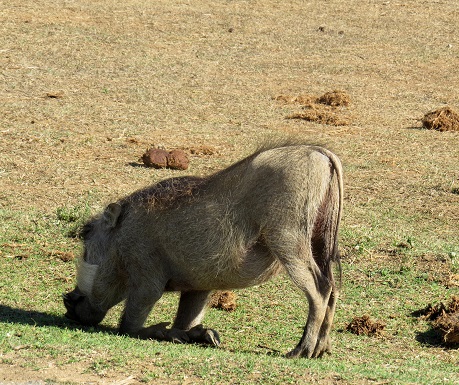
<point>177,336</point>
<point>154,332</point>
<point>201,335</point>
<point>197,334</point>
<point>295,353</point>
<point>160,332</point>
<point>321,348</point>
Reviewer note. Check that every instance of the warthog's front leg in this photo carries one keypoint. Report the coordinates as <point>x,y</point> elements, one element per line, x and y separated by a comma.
<point>197,334</point>
<point>202,335</point>
<point>190,312</point>
<point>139,304</point>
<point>186,328</point>
<point>160,332</point>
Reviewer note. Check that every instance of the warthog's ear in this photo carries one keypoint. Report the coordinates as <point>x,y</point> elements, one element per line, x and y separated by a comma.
<point>111,214</point>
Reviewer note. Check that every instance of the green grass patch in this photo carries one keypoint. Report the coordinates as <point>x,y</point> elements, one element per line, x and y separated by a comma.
<point>267,322</point>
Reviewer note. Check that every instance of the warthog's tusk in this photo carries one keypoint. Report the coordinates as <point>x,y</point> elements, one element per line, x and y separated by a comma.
<point>85,276</point>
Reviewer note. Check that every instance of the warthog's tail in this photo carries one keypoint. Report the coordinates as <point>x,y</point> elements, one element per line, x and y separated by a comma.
<point>332,254</point>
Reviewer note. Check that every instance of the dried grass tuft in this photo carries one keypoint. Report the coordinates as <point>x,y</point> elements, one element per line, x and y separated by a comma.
<point>325,109</point>
<point>223,300</point>
<point>335,98</point>
<point>445,319</point>
<point>442,119</point>
<point>322,115</point>
<point>365,326</point>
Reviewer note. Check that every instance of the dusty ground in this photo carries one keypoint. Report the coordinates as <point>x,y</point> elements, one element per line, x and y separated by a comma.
<point>87,86</point>
<point>127,75</point>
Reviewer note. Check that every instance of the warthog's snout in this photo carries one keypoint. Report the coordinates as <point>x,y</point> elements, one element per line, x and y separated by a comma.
<point>80,310</point>
<point>70,301</point>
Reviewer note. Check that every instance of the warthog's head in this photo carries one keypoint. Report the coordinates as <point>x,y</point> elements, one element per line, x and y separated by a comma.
<point>85,304</point>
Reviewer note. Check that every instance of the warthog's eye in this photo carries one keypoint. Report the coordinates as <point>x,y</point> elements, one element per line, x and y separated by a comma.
<point>70,301</point>
<point>86,230</point>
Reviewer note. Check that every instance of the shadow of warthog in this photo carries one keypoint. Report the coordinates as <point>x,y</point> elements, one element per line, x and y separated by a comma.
<point>279,208</point>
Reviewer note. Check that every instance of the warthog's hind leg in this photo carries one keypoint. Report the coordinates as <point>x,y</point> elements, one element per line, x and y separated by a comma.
<point>315,340</point>
<point>323,342</point>
<point>299,263</point>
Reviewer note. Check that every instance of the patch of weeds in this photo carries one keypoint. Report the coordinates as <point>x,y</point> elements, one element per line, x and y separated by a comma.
<point>72,218</point>
<point>100,367</point>
<point>405,270</point>
<point>385,272</point>
<point>407,244</point>
<point>148,377</point>
<point>68,214</point>
<point>357,244</point>
<point>422,277</point>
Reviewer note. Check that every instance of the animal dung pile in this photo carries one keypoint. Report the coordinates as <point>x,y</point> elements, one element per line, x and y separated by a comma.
<point>202,150</point>
<point>444,319</point>
<point>64,256</point>
<point>177,160</point>
<point>448,326</point>
<point>335,99</point>
<point>223,300</point>
<point>365,326</point>
<point>321,115</point>
<point>159,158</point>
<point>326,109</point>
<point>443,119</point>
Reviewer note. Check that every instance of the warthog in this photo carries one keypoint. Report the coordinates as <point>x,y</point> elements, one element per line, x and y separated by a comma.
<point>279,208</point>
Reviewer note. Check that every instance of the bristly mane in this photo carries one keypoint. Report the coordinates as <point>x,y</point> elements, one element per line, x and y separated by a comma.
<point>165,193</point>
<point>170,192</point>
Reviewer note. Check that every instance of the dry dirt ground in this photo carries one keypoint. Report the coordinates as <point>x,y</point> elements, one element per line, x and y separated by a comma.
<point>87,86</point>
